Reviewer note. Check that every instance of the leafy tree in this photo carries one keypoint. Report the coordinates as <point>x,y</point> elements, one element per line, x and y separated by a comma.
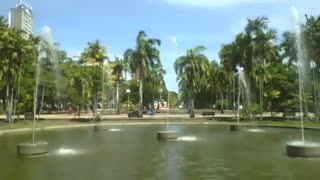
<point>142,59</point>
<point>189,69</point>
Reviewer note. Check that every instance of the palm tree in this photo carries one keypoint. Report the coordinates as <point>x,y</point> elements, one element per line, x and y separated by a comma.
<point>118,67</point>
<point>94,55</point>
<point>189,69</point>
<point>156,77</point>
<point>262,50</point>
<point>223,83</point>
<point>14,51</point>
<point>210,81</point>
<point>288,46</point>
<point>142,59</point>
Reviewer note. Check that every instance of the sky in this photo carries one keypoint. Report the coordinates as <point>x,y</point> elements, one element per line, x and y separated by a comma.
<point>179,24</point>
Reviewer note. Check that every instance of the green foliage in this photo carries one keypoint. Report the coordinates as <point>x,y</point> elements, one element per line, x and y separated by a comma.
<point>225,102</point>
<point>250,111</point>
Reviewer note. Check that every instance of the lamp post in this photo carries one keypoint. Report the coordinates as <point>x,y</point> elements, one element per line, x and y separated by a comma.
<point>128,91</point>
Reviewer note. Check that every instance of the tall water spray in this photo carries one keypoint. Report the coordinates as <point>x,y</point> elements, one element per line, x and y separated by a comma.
<point>240,76</point>
<point>46,34</point>
<point>45,50</point>
<point>300,64</point>
<point>246,85</point>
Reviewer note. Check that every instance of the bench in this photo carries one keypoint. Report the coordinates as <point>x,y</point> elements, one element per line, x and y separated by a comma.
<point>28,116</point>
<point>134,114</point>
<point>208,113</point>
<point>289,114</point>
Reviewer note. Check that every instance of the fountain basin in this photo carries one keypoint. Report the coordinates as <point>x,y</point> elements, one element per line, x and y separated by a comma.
<point>235,127</point>
<point>101,127</point>
<point>303,149</point>
<point>167,134</point>
<point>32,149</point>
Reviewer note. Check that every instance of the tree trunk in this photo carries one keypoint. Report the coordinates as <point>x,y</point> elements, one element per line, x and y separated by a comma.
<point>79,111</point>
<point>141,97</point>
<point>11,105</point>
<point>261,98</point>
<point>118,103</point>
<point>191,102</point>
<point>94,109</point>
<point>152,103</point>
<point>222,105</point>
<point>8,103</point>
<point>42,99</point>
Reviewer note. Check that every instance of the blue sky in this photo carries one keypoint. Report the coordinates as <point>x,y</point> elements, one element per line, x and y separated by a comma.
<point>180,24</point>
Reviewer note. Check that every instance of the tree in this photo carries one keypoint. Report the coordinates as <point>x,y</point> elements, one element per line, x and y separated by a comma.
<point>156,78</point>
<point>14,52</point>
<point>94,56</point>
<point>142,59</point>
<point>189,69</point>
<point>118,67</point>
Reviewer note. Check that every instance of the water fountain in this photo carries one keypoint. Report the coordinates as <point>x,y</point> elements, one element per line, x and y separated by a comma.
<point>167,134</point>
<point>236,127</point>
<point>35,147</point>
<point>301,148</point>
<point>102,127</point>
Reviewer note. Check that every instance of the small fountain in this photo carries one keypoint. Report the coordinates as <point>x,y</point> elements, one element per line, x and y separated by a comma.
<point>100,126</point>
<point>301,148</point>
<point>167,134</point>
<point>236,127</point>
<point>35,147</point>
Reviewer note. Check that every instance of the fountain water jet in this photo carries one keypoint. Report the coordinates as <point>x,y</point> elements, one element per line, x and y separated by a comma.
<point>167,134</point>
<point>301,148</point>
<point>36,147</point>
<point>236,127</point>
<point>99,127</point>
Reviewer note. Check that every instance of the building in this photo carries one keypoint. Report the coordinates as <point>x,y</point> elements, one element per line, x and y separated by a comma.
<point>21,18</point>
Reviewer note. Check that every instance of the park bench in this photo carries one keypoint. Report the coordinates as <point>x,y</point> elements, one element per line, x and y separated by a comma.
<point>208,113</point>
<point>289,114</point>
<point>28,116</point>
<point>134,114</point>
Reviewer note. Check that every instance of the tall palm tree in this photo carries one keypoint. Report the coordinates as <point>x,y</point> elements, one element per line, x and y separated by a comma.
<point>189,69</point>
<point>156,77</point>
<point>94,55</point>
<point>288,46</point>
<point>142,59</point>
<point>223,83</point>
<point>210,81</point>
<point>118,67</point>
<point>263,50</point>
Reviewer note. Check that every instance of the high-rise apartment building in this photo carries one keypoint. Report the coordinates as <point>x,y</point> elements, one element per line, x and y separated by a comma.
<point>21,18</point>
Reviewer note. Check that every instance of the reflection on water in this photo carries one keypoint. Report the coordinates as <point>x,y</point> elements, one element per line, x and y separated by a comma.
<point>66,151</point>
<point>255,130</point>
<point>115,130</point>
<point>201,152</point>
<point>187,138</point>
<point>304,143</point>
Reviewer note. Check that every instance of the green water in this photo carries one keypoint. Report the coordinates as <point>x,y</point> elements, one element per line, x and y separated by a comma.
<point>135,153</point>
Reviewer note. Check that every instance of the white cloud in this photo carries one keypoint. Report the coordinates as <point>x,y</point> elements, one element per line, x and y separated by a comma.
<point>174,42</point>
<point>217,3</point>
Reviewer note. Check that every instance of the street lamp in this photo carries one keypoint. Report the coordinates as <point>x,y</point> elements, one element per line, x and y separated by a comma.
<point>128,91</point>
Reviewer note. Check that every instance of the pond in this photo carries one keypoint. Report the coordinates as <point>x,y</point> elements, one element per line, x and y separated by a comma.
<point>133,152</point>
